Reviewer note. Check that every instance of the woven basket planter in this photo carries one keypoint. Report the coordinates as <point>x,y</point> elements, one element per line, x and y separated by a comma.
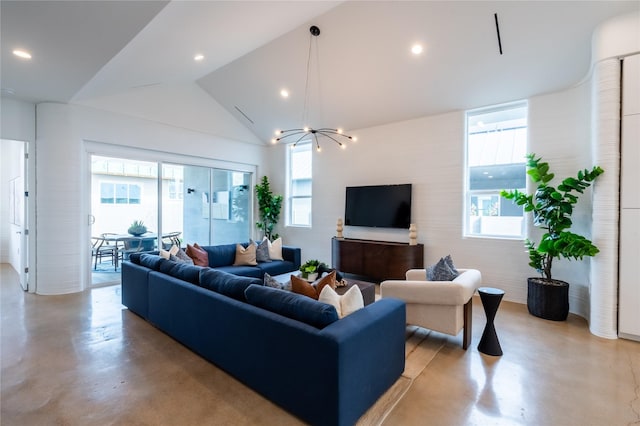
<point>548,299</point>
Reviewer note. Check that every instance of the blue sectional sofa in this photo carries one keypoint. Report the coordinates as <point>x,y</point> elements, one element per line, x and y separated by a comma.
<point>291,349</point>
<point>222,257</point>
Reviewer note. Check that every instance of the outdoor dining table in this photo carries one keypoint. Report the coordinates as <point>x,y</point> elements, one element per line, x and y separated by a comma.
<point>127,243</point>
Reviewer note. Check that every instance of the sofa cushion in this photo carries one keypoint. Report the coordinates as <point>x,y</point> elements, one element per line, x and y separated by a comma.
<point>151,261</point>
<point>135,257</point>
<point>225,283</point>
<point>262,251</point>
<point>345,304</point>
<point>181,270</point>
<point>221,255</point>
<point>198,254</point>
<point>277,267</point>
<point>292,305</point>
<point>245,256</point>
<point>243,271</point>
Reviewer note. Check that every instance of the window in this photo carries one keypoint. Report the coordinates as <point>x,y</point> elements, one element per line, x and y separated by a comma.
<point>119,193</point>
<point>496,150</point>
<point>299,190</point>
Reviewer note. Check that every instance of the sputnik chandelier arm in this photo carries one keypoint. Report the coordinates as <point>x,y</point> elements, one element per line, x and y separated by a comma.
<point>336,135</point>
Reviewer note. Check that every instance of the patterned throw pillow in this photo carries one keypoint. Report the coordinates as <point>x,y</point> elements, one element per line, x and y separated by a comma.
<point>180,254</point>
<point>449,263</point>
<point>187,261</point>
<point>246,256</point>
<point>441,271</point>
<point>262,251</point>
<point>269,281</point>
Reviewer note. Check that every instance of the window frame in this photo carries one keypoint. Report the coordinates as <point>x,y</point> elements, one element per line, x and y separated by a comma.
<point>468,193</point>
<point>123,200</point>
<point>307,144</point>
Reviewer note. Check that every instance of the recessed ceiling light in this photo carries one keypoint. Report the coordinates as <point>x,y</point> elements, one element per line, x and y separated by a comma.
<point>284,93</point>
<point>416,49</point>
<point>22,54</point>
<point>198,57</point>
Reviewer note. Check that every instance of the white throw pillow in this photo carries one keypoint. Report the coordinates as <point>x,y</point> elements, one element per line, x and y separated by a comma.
<point>275,249</point>
<point>346,304</point>
<point>172,252</point>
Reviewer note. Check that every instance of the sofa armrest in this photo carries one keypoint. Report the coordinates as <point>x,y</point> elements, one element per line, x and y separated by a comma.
<point>292,254</point>
<point>456,292</point>
<point>370,347</point>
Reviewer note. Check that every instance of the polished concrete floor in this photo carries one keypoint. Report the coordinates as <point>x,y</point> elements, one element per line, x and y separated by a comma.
<point>83,359</point>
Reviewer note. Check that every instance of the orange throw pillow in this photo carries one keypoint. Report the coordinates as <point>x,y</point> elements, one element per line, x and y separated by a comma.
<point>300,286</point>
<point>329,279</point>
<point>198,254</point>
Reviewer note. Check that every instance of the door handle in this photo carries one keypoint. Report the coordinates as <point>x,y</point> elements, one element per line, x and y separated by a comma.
<point>92,219</point>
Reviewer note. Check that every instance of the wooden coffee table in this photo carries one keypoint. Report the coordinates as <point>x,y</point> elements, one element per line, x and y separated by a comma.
<point>367,289</point>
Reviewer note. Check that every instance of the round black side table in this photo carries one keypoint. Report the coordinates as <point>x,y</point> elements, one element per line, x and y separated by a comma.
<point>491,298</point>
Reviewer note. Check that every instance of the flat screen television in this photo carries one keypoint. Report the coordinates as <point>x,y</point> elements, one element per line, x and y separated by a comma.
<point>379,206</point>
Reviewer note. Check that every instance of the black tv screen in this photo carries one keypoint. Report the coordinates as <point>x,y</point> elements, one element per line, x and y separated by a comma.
<point>380,206</point>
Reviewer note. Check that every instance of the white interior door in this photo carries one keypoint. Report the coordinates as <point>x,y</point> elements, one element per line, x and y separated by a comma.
<point>24,218</point>
<point>18,218</point>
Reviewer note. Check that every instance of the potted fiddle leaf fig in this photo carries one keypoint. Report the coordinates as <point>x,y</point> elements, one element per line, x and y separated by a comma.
<point>269,206</point>
<point>552,208</point>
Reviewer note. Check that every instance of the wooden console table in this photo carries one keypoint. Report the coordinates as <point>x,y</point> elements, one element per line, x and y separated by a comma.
<point>375,260</point>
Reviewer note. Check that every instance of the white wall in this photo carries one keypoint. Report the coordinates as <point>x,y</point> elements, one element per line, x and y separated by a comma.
<point>18,120</point>
<point>429,153</point>
<point>63,180</point>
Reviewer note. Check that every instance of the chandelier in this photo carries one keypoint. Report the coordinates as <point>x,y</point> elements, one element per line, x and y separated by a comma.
<point>336,135</point>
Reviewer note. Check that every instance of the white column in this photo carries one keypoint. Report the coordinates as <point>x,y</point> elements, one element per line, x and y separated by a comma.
<point>606,153</point>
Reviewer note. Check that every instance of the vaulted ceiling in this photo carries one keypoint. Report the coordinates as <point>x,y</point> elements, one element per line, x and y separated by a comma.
<point>363,72</point>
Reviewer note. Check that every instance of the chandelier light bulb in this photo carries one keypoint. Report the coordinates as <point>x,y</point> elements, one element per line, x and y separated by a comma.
<point>306,129</point>
<point>339,131</point>
<point>354,138</point>
<point>274,140</point>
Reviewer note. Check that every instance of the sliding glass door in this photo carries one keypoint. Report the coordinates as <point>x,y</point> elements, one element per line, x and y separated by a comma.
<point>208,205</point>
<point>177,203</point>
<point>122,191</point>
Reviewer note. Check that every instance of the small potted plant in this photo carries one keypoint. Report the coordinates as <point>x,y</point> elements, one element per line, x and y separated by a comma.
<point>552,209</point>
<point>137,228</point>
<point>310,269</point>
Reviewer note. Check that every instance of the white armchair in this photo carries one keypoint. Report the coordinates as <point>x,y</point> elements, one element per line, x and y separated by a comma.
<point>443,306</point>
